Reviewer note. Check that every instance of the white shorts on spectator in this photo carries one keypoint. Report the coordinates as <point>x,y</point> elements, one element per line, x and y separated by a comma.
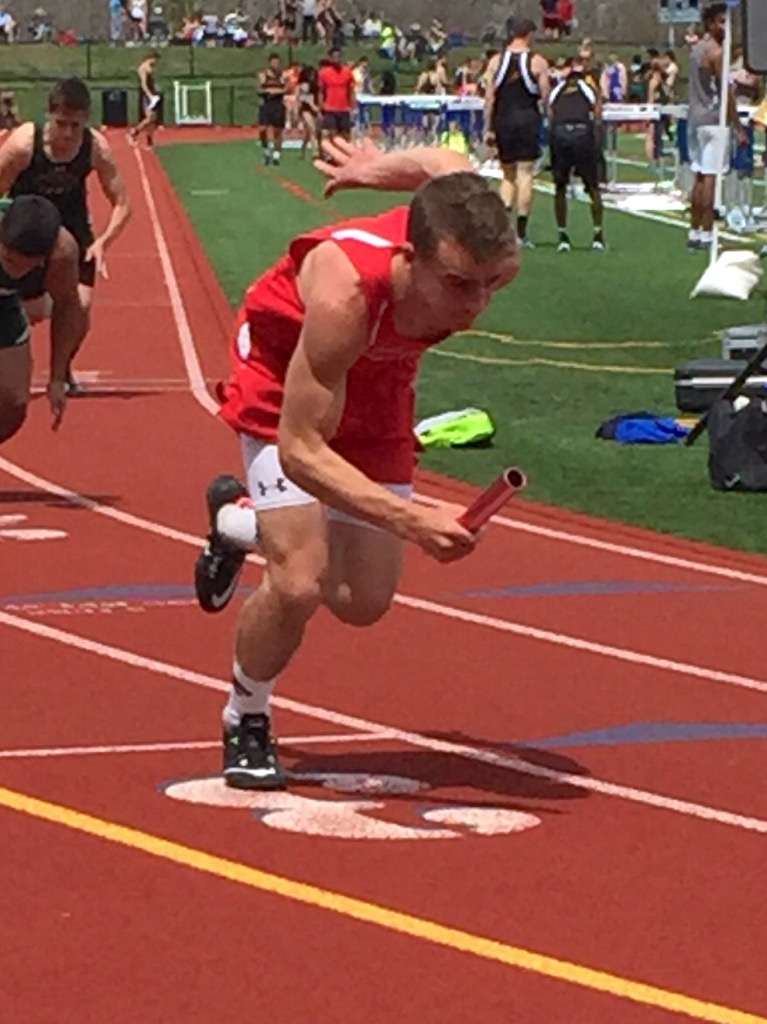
<point>709,147</point>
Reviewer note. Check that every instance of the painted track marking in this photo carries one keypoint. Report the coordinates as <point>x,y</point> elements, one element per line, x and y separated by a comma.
<point>647,798</point>
<point>383,917</point>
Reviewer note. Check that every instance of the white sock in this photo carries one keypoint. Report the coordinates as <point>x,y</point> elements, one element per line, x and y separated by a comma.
<point>236,522</point>
<point>247,697</point>
<point>706,236</point>
<point>694,234</point>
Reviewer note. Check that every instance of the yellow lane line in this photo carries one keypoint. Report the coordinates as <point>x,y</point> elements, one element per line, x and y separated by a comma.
<point>372,913</point>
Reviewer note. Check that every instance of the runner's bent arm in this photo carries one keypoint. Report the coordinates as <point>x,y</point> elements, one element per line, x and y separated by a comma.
<point>16,155</point>
<point>335,334</point>
<point>366,166</point>
<point>67,317</point>
<point>114,188</point>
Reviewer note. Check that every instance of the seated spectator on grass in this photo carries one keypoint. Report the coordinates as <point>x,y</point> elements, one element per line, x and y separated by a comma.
<point>41,27</point>
<point>551,25</point>
<point>566,15</point>
<point>211,29</point>
<point>7,27</point>
<point>436,38</point>
<point>371,26</point>
<point>388,42</point>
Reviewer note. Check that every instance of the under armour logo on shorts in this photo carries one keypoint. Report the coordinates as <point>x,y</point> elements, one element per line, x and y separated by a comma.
<point>281,485</point>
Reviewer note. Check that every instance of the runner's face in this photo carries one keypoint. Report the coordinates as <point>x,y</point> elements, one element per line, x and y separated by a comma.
<point>453,289</point>
<point>16,265</point>
<point>717,28</point>
<point>65,131</point>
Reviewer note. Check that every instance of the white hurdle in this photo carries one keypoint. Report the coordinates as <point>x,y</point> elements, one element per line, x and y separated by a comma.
<point>193,102</point>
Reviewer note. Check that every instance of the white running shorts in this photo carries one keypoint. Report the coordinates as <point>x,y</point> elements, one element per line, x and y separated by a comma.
<point>270,488</point>
<point>709,148</point>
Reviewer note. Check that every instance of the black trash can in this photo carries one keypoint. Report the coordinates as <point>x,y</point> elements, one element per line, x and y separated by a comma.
<point>114,108</point>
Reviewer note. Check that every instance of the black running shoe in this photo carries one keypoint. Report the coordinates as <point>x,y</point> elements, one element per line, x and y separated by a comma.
<point>74,388</point>
<point>218,567</point>
<point>250,756</point>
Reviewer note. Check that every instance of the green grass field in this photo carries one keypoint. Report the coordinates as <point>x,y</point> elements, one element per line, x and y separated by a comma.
<point>578,337</point>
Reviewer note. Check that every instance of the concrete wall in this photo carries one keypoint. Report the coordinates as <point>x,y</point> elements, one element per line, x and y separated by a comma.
<point>618,20</point>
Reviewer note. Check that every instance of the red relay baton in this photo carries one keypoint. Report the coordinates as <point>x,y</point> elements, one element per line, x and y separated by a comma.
<point>492,499</point>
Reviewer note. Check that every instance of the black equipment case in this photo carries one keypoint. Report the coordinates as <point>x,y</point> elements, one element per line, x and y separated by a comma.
<point>700,382</point>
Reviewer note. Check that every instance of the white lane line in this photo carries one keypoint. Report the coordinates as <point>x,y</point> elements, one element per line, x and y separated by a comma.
<point>588,783</point>
<point>159,748</point>
<point>620,549</point>
<point>185,337</point>
<point>431,607</point>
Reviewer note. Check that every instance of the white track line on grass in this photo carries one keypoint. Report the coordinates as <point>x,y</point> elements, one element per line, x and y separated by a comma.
<point>587,783</point>
<point>420,604</point>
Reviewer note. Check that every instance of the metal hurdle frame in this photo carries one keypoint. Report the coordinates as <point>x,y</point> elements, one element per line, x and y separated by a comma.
<point>181,93</point>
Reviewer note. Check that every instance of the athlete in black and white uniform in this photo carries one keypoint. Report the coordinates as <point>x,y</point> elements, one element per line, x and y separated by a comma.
<point>34,244</point>
<point>575,107</point>
<point>272,114</point>
<point>517,91</point>
<point>54,160</point>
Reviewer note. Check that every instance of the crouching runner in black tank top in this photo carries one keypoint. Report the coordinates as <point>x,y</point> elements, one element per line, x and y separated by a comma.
<point>34,245</point>
<point>575,109</point>
<point>54,160</point>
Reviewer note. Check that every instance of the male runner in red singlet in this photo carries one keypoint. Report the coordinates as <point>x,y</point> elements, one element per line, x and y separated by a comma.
<point>326,350</point>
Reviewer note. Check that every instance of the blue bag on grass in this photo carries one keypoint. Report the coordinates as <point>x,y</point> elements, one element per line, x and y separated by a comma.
<point>642,428</point>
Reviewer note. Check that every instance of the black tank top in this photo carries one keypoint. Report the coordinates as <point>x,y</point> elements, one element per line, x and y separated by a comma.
<point>572,101</point>
<point>63,183</point>
<point>271,79</point>
<point>516,90</point>
<point>14,327</point>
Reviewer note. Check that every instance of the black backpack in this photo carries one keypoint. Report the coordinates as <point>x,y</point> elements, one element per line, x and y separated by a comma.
<point>737,445</point>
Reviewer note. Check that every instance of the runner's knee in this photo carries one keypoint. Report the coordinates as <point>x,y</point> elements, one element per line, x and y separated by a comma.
<point>297,589</point>
<point>12,416</point>
<point>358,609</point>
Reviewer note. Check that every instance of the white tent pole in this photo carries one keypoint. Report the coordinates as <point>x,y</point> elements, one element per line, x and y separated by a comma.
<point>723,108</point>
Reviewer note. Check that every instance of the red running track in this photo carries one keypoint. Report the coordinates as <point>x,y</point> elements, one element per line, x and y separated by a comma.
<point>452,848</point>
